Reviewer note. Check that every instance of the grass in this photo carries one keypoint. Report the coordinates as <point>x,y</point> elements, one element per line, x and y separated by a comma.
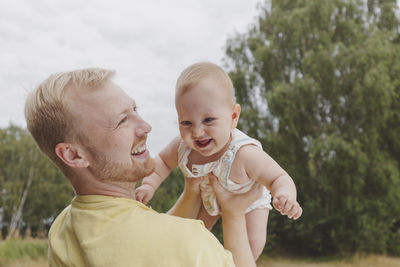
<point>27,263</point>
<point>33,253</point>
<point>356,261</point>
<point>16,250</point>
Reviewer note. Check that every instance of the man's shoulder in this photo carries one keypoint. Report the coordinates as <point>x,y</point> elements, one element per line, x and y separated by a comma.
<point>164,227</point>
<point>138,233</point>
<point>61,217</point>
<point>182,226</point>
<point>190,239</point>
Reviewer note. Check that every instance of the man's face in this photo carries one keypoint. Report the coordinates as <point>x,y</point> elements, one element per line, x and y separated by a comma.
<point>112,132</point>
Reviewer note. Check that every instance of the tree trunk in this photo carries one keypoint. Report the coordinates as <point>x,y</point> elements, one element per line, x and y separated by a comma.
<point>16,217</point>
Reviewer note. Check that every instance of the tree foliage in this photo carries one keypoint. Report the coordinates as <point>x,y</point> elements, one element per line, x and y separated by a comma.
<point>168,192</point>
<point>319,85</point>
<point>33,190</point>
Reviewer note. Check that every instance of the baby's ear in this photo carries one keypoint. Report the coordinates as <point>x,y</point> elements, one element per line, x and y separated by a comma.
<point>71,155</point>
<point>235,115</point>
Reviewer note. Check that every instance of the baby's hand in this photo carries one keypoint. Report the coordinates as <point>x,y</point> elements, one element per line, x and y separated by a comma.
<point>144,193</point>
<point>286,205</point>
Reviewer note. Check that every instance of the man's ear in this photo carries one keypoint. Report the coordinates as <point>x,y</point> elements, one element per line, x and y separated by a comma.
<point>71,155</point>
<point>235,115</point>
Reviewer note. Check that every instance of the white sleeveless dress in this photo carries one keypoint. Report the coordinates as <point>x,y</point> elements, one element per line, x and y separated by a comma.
<point>221,169</point>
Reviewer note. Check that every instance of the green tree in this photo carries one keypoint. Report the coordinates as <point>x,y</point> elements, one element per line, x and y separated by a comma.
<point>50,193</point>
<point>168,192</point>
<point>319,85</point>
<point>17,158</point>
<point>33,191</point>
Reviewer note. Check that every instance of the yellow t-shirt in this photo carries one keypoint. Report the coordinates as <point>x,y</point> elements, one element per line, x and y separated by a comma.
<point>106,231</point>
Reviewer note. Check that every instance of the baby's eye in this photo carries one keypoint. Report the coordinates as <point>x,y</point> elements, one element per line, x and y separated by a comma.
<point>185,123</point>
<point>208,120</point>
<point>135,109</point>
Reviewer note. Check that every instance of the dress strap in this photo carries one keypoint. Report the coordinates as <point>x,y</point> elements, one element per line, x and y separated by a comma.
<point>239,139</point>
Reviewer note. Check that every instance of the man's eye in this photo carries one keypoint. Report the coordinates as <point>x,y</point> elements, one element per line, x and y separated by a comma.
<point>208,120</point>
<point>186,123</point>
<point>123,121</point>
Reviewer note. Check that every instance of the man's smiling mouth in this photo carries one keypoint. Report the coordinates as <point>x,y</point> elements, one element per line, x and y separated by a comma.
<point>139,149</point>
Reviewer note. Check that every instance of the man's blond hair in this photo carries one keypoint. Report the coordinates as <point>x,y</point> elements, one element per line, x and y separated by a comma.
<point>193,74</point>
<point>47,116</point>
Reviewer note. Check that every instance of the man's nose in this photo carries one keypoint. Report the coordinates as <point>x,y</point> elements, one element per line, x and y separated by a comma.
<point>143,128</point>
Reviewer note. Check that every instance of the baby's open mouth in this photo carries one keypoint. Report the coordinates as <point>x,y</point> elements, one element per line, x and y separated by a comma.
<point>203,142</point>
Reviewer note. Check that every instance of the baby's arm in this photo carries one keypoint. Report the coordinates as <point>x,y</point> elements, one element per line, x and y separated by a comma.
<point>165,161</point>
<point>264,170</point>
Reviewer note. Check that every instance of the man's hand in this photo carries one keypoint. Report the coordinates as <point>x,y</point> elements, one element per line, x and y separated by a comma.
<point>188,204</point>
<point>287,205</point>
<point>144,193</point>
<point>235,204</point>
<point>192,185</point>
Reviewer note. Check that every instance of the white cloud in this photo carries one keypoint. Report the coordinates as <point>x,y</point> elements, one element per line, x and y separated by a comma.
<point>148,43</point>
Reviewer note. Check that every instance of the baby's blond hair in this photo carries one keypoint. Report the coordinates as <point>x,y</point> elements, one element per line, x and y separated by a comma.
<point>193,74</point>
<point>47,116</point>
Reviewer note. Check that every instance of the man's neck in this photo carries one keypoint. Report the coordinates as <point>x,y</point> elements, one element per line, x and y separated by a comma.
<point>92,186</point>
<point>122,189</point>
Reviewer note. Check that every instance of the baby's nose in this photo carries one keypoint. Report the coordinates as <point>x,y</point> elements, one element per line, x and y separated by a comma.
<point>197,131</point>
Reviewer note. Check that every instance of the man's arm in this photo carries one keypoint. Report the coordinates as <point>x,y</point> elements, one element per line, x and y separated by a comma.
<point>233,208</point>
<point>189,202</point>
<point>236,240</point>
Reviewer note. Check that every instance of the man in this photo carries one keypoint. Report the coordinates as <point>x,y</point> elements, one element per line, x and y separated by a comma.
<point>91,130</point>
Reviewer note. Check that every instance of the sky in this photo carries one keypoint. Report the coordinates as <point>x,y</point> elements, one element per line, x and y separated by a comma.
<point>148,44</point>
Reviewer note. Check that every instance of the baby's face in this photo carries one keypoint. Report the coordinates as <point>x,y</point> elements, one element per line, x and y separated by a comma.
<point>206,117</point>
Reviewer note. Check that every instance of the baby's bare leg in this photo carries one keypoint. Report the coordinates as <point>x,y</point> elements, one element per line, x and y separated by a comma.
<point>256,222</point>
<point>208,220</point>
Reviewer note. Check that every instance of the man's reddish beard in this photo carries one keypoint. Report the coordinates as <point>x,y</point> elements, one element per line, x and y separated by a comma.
<point>105,169</point>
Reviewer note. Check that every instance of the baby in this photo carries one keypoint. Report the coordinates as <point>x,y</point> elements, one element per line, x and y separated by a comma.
<point>210,144</point>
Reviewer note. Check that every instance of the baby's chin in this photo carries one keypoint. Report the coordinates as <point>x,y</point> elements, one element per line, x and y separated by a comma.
<point>205,150</point>
<point>208,153</point>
